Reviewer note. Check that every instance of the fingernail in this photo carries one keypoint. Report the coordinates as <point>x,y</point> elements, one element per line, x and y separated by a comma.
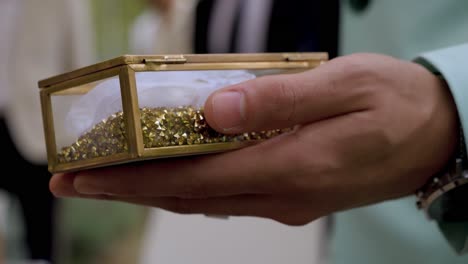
<point>84,185</point>
<point>228,110</point>
<point>61,185</point>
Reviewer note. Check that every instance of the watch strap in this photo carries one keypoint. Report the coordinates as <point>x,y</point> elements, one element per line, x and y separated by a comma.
<point>456,234</point>
<point>445,200</point>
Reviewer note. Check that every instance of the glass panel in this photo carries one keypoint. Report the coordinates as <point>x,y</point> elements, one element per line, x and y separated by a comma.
<point>171,105</point>
<point>89,121</point>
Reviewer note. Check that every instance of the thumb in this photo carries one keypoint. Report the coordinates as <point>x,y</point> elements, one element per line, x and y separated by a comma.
<point>281,101</point>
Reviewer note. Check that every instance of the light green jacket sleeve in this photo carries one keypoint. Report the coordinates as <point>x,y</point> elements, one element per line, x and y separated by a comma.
<point>452,64</point>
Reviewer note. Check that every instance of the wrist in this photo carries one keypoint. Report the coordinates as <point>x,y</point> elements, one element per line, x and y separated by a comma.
<point>443,131</point>
<point>445,196</point>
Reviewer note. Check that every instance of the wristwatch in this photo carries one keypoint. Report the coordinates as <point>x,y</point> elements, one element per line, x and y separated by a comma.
<point>445,199</point>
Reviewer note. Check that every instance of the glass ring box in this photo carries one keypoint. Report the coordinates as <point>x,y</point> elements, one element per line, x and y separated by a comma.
<point>135,108</point>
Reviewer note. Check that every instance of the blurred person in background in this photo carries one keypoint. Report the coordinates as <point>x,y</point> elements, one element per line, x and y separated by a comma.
<point>226,26</point>
<point>39,39</point>
<point>164,27</point>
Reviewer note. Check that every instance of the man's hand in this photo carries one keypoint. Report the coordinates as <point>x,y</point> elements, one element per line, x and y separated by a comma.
<point>368,128</point>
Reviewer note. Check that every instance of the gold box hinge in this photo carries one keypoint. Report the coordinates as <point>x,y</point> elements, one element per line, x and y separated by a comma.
<point>169,59</point>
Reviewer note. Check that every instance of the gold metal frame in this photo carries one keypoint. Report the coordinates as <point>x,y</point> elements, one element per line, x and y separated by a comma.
<point>81,81</point>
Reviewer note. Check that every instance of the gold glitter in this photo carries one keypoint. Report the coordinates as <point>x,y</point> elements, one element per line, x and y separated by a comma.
<point>161,127</point>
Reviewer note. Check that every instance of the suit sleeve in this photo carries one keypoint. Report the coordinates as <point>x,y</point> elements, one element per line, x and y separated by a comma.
<point>452,64</point>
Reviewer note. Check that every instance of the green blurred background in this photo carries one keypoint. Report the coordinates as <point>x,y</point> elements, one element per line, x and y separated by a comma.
<point>93,231</point>
<point>112,21</point>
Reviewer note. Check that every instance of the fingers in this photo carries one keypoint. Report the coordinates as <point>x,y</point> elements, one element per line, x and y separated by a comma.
<point>281,165</point>
<point>319,161</point>
<point>281,209</point>
<point>61,185</point>
<point>286,100</point>
<point>241,205</point>
<point>287,210</point>
<point>249,170</point>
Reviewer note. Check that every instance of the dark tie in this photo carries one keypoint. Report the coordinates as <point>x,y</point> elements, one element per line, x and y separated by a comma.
<point>295,26</point>
<point>202,22</point>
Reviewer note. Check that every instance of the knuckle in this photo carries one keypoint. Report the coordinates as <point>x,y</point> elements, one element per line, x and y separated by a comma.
<point>363,76</point>
<point>365,70</point>
<point>281,95</point>
<point>361,63</point>
<point>354,65</point>
<point>288,99</point>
